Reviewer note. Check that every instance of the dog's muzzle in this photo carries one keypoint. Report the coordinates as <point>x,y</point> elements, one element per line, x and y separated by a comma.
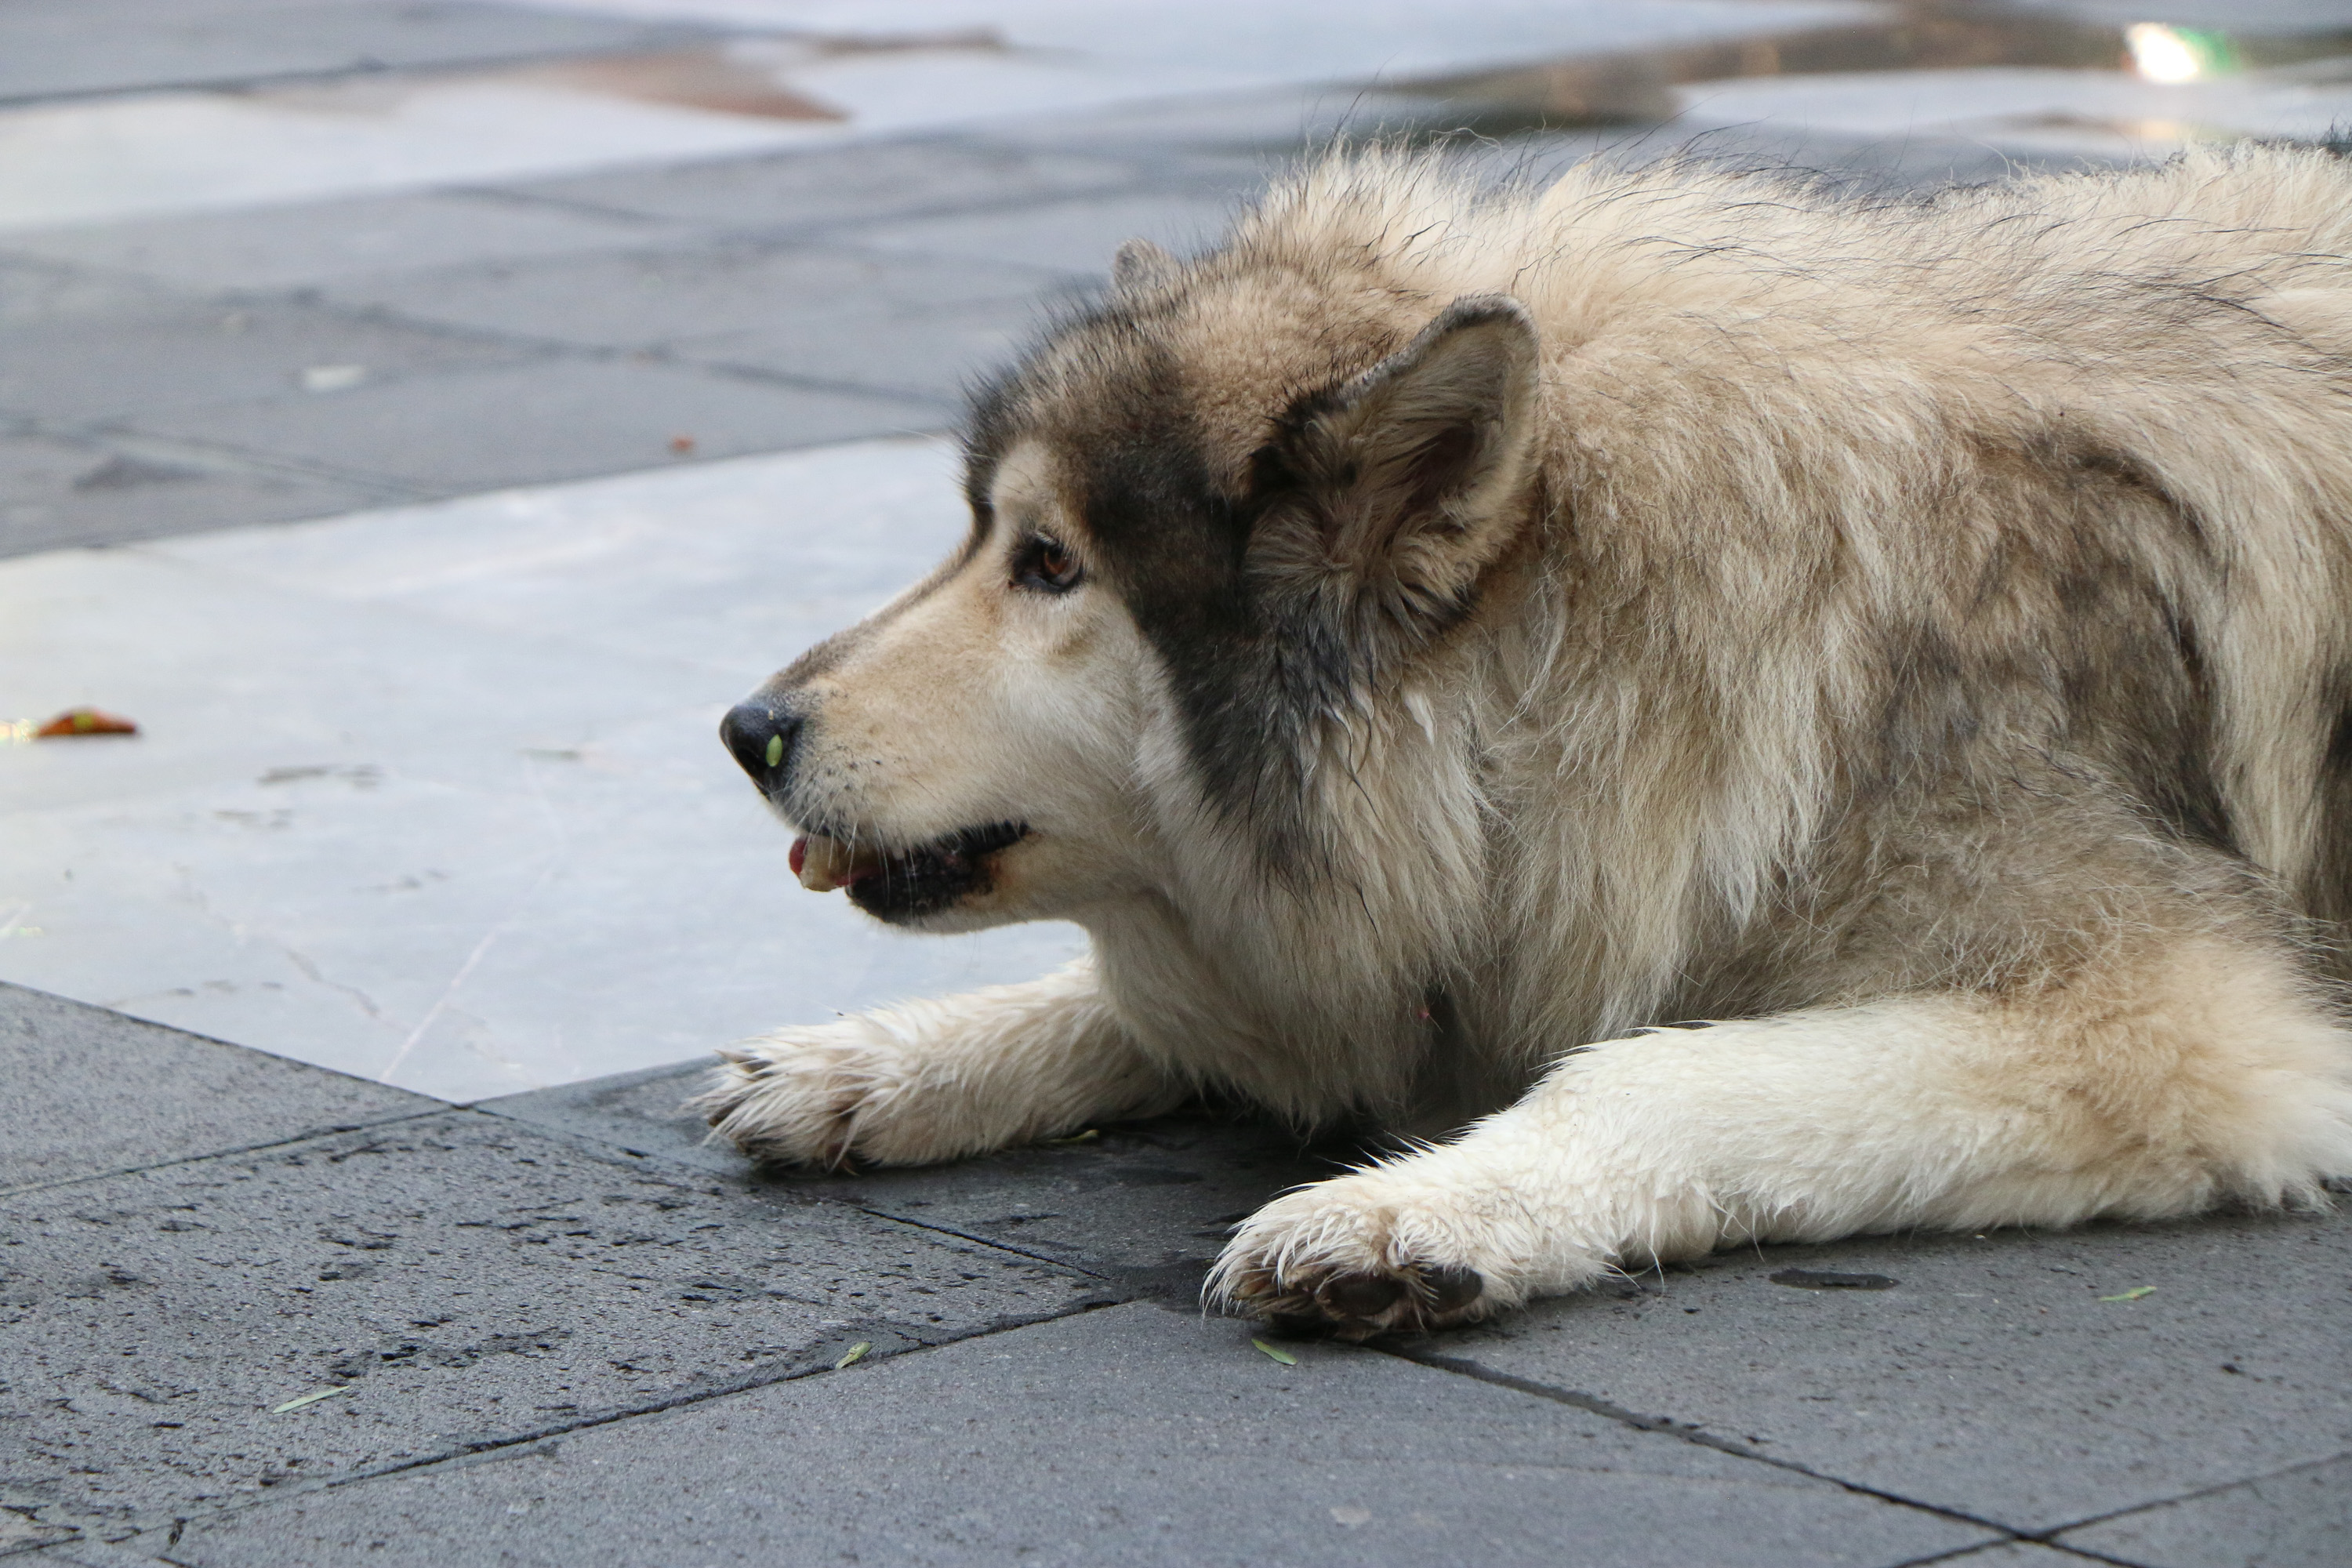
<point>761,738</point>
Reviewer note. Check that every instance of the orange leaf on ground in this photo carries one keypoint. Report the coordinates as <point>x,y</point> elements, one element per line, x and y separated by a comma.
<point>76,721</point>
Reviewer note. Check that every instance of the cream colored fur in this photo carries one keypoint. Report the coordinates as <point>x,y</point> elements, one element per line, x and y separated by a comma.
<point>1773,434</point>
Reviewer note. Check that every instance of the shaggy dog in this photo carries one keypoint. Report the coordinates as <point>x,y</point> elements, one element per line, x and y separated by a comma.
<point>1763,716</point>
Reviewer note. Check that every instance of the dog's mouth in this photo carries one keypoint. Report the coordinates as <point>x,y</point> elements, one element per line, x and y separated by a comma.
<point>894,883</point>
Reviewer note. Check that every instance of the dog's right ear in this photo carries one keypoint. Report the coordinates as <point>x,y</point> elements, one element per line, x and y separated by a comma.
<point>1387,496</point>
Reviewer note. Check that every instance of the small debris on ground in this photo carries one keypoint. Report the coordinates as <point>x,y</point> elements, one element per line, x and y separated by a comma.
<point>2134,1294</point>
<point>313,1397</point>
<point>1832,1279</point>
<point>854,1355</point>
<point>1278,1353</point>
<point>681,445</point>
<point>75,722</point>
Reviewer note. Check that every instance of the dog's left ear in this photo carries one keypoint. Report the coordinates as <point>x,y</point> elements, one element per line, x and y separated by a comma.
<point>1392,492</point>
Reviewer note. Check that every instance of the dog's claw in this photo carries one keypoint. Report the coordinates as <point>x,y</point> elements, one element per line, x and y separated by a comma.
<point>1357,1305</point>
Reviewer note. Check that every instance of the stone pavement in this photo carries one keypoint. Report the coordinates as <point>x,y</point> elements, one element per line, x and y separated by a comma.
<point>607,344</point>
<point>314,1319</point>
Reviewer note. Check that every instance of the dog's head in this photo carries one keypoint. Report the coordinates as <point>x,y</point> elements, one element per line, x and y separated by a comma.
<point>1219,525</point>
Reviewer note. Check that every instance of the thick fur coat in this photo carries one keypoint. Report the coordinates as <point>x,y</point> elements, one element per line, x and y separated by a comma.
<point>1756,714</point>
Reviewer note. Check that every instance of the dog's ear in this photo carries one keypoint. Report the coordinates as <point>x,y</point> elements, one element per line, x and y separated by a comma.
<point>1140,265</point>
<point>1392,492</point>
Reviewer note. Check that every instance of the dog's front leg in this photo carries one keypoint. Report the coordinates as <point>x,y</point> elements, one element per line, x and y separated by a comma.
<point>935,1080</point>
<point>2220,1079</point>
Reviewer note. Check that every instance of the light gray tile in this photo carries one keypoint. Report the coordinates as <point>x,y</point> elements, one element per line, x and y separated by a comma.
<point>312,242</point>
<point>642,299</point>
<point>795,193</point>
<point>189,356</point>
<point>2299,1518</point>
<point>1069,237</point>
<point>45,49</point>
<point>1132,1436</point>
<point>937,352</point>
<point>550,420</point>
<point>467,1279</point>
<point>91,1092</point>
<point>56,492</point>
<point>1993,1378</point>
<point>33,290</point>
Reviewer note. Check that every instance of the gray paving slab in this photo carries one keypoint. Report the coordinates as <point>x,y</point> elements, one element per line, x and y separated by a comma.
<point>469,1280</point>
<point>1145,1205</point>
<point>33,290</point>
<point>91,1092</point>
<point>1998,1376</point>
<point>646,297</point>
<point>795,193</point>
<point>106,45</point>
<point>1074,236</point>
<point>2008,1554</point>
<point>549,420</point>
<point>2298,1518</point>
<point>189,355</point>
<point>933,352</point>
<point>57,491</point>
<point>1129,1436</point>
<point>309,243</point>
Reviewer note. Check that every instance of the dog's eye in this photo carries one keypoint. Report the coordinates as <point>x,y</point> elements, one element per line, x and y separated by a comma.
<point>1043,563</point>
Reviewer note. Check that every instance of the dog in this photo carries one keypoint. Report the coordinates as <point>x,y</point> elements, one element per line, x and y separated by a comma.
<point>1719,711</point>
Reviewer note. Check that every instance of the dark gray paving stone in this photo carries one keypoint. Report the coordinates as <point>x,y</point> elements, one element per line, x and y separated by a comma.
<point>55,491</point>
<point>100,45</point>
<point>551,420</point>
<point>1131,1435</point>
<point>1074,236</point>
<point>796,192</point>
<point>1146,1205</point>
<point>2299,1518</point>
<point>1992,1379</point>
<point>91,1092</point>
<point>470,1280</point>
<point>923,353</point>
<point>309,243</point>
<point>191,355</point>
<point>647,297</point>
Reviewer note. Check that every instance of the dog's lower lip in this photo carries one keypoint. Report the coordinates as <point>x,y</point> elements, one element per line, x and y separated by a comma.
<point>827,862</point>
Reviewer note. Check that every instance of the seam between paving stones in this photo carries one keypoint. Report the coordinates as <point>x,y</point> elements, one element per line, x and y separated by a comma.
<point>2084,1523</point>
<point>1962,1554</point>
<point>504,1447</point>
<point>1156,177</point>
<point>1697,1436</point>
<point>221,457</point>
<point>229,1153</point>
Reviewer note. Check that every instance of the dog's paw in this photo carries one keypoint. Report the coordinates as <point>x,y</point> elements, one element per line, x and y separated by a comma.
<point>821,1096</point>
<point>1363,1255</point>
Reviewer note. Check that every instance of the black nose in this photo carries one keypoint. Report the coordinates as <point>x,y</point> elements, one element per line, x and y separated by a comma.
<point>761,737</point>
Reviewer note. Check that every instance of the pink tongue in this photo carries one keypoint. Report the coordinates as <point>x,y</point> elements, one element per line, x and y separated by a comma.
<point>800,854</point>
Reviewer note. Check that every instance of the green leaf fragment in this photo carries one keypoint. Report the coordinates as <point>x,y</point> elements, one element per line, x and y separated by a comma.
<point>1278,1353</point>
<point>2134,1294</point>
<point>310,1398</point>
<point>854,1354</point>
<point>776,750</point>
